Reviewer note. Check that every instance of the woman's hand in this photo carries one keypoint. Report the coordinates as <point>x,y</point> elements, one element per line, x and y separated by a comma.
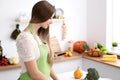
<point>53,75</point>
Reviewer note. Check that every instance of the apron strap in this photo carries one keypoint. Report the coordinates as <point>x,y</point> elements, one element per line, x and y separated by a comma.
<point>33,33</point>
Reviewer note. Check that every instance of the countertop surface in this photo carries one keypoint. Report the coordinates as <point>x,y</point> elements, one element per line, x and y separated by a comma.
<point>99,59</point>
<point>75,56</point>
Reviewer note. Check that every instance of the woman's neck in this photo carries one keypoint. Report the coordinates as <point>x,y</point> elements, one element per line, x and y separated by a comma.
<point>35,27</point>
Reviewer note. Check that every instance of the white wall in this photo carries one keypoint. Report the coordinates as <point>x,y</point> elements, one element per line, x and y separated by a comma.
<point>96,21</point>
<point>74,11</point>
<point>10,10</point>
<point>75,14</point>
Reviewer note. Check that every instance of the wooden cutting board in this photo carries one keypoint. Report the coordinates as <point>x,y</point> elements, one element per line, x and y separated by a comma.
<point>55,45</point>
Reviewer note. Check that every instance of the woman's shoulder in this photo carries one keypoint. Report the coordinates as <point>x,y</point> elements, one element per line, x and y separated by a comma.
<point>25,39</point>
<point>24,35</point>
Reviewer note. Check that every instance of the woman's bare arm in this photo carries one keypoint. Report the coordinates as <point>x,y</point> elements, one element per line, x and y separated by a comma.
<point>33,71</point>
<point>53,75</point>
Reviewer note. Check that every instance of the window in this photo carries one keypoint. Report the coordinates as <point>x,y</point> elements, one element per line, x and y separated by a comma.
<point>113,23</point>
<point>116,20</point>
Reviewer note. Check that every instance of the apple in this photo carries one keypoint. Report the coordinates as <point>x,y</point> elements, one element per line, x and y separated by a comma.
<point>103,49</point>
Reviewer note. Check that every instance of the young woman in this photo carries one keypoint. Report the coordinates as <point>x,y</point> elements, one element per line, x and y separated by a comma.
<point>33,44</point>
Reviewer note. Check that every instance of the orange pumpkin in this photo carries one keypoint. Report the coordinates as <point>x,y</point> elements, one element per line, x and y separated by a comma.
<point>78,73</point>
<point>79,46</point>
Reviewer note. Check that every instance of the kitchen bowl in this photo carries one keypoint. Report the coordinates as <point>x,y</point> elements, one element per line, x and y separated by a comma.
<point>94,53</point>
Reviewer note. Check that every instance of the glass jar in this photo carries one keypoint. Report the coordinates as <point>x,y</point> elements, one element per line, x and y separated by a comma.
<point>70,45</point>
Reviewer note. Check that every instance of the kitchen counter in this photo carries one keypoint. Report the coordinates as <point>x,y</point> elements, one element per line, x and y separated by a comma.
<point>6,67</point>
<point>83,55</point>
<point>63,58</point>
<point>99,59</point>
<point>59,59</point>
<point>75,56</point>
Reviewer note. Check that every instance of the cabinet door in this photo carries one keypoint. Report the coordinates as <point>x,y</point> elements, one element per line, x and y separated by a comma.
<point>104,70</point>
<point>66,66</point>
<point>12,74</point>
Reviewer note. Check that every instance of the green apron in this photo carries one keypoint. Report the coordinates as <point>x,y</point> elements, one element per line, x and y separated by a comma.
<point>42,62</point>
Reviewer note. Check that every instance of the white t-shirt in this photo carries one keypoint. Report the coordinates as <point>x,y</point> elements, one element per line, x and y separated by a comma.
<point>27,48</point>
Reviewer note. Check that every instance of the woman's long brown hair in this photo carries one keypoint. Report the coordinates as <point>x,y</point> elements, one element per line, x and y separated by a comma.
<point>41,12</point>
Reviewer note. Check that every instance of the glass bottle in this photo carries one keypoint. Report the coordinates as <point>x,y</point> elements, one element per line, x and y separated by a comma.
<point>16,32</point>
<point>1,50</point>
<point>70,45</point>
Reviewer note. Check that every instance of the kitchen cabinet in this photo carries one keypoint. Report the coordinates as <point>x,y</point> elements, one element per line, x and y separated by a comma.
<point>104,70</point>
<point>69,76</point>
<point>11,74</point>
<point>68,65</point>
